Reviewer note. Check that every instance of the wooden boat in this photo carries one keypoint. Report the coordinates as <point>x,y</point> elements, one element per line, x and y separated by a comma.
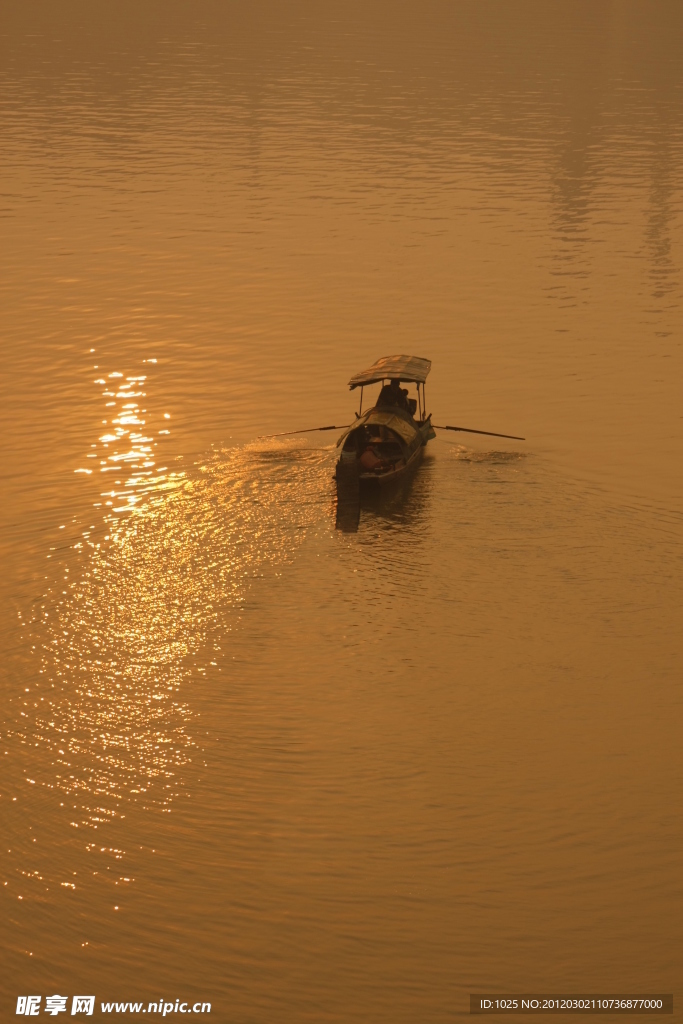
<point>388,440</point>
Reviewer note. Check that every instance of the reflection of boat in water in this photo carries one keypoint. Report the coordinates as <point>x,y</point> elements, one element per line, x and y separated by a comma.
<point>387,441</point>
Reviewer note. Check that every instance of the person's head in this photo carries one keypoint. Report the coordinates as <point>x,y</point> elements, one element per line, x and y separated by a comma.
<point>395,385</point>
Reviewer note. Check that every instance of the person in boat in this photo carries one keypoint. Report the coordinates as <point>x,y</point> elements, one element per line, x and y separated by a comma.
<point>369,457</point>
<point>393,394</point>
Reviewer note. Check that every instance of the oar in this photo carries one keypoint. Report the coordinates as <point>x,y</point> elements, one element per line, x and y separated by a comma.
<point>489,433</point>
<point>306,430</point>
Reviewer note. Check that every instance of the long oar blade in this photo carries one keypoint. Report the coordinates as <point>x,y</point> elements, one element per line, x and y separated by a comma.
<point>306,430</point>
<point>489,433</point>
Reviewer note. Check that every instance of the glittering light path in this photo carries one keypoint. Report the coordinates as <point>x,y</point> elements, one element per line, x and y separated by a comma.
<point>143,611</point>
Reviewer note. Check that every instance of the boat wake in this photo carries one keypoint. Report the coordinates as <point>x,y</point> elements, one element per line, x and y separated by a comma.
<point>464,454</point>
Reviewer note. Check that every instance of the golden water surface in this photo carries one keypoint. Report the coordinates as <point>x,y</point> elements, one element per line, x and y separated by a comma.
<point>249,758</point>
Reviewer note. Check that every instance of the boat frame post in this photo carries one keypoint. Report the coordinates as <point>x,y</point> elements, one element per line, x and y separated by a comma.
<point>360,411</point>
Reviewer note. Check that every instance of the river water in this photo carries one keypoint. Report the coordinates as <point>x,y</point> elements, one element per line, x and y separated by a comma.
<point>248,758</point>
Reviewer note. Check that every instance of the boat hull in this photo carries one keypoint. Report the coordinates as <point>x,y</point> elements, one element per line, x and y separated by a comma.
<point>351,477</point>
<point>371,481</point>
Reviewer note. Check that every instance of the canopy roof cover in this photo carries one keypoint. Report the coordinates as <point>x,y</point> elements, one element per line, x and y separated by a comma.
<point>411,369</point>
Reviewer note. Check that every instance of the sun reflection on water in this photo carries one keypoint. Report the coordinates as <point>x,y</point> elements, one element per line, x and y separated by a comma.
<point>127,447</point>
<point>145,612</point>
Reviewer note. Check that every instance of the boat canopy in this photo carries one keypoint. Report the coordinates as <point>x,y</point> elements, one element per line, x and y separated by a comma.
<point>405,430</point>
<point>410,369</point>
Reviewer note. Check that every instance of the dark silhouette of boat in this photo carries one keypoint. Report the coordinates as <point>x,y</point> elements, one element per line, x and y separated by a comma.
<point>388,440</point>
<point>385,443</point>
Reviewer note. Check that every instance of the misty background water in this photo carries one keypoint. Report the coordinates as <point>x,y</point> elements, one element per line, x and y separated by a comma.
<point>303,774</point>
